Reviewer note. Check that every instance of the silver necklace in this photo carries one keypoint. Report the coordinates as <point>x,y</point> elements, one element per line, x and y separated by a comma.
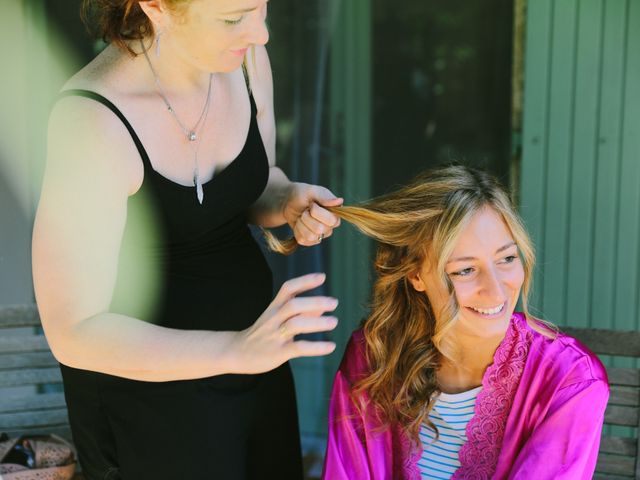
<point>191,134</point>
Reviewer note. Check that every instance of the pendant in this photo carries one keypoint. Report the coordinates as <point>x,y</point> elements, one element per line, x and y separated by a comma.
<point>192,136</point>
<point>198,184</point>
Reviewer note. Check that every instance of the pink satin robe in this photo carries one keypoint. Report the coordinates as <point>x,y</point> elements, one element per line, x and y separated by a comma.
<point>538,416</point>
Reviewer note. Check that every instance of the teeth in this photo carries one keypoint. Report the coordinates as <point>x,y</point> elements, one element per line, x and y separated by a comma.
<point>489,311</point>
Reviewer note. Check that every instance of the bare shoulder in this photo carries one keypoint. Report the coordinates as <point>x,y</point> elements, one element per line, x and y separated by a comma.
<point>259,70</point>
<point>85,135</point>
<point>261,78</point>
<point>87,138</point>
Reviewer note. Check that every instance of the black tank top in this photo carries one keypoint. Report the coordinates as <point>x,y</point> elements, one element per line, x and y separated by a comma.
<point>189,266</point>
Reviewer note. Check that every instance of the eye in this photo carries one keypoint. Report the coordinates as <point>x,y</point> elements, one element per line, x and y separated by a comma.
<point>463,273</point>
<point>509,259</point>
<point>233,22</point>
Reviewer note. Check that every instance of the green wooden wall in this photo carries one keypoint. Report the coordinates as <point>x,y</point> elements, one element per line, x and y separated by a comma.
<point>580,177</point>
<point>350,174</point>
<point>580,170</point>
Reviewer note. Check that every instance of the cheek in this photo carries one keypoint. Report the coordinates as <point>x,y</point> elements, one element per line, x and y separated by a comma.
<point>514,278</point>
<point>464,292</point>
<point>437,297</point>
<point>208,39</point>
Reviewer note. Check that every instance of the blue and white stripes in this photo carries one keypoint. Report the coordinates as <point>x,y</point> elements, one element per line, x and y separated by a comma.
<point>450,414</point>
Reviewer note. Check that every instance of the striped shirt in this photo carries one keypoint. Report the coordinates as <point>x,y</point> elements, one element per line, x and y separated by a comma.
<point>450,414</point>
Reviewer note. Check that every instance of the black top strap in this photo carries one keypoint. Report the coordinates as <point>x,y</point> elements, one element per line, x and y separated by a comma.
<point>254,108</point>
<point>99,98</point>
<point>107,103</point>
<point>247,81</point>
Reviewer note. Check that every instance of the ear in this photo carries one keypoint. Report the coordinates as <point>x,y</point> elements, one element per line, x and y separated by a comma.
<point>156,11</point>
<point>416,281</point>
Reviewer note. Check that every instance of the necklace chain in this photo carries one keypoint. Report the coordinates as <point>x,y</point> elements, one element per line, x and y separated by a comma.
<point>190,134</point>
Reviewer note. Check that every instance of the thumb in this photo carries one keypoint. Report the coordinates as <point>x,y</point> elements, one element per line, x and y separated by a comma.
<point>324,197</point>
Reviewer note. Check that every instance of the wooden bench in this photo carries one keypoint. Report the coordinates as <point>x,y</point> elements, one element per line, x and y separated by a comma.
<point>619,456</point>
<point>27,362</point>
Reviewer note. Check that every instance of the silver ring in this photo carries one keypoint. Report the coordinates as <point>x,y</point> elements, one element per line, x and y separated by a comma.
<point>321,237</point>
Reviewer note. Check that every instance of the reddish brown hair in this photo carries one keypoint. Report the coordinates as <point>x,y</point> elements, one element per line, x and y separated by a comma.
<point>119,21</point>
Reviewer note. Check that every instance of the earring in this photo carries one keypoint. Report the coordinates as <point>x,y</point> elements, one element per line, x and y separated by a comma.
<point>158,44</point>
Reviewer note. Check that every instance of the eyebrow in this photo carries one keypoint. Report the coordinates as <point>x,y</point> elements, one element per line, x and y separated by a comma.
<point>244,10</point>
<point>465,259</point>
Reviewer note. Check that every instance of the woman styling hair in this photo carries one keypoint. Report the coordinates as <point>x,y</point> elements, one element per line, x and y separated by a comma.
<point>444,380</point>
<point>153,294</point>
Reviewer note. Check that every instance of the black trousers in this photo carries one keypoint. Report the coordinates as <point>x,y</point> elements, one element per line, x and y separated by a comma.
<point>222,428</point>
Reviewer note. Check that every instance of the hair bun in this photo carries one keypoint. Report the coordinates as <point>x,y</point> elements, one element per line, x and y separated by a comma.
<point>117,21</point>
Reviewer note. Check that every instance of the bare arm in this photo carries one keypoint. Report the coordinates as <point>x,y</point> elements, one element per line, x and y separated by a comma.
<point>268,209</point>
<point>90,173</point>
<point>283,201</point>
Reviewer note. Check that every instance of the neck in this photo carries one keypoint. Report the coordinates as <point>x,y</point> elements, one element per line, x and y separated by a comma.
<point>473,348</point>
<point>474,354</point>
<point>176,74</point>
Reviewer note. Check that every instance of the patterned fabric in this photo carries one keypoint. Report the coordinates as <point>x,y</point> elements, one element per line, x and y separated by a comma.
<point>479,455</point>
<point>450,415</point>
<point>539,415</point>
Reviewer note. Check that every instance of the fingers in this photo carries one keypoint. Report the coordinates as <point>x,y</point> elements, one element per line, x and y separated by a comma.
<point>270,340</point>
<point>312,222</point>
<point>296,286</point>
<point>305,348</point>
<point>323,216</point>
<point>325,198</point>
<point>310,235</point>
<point>307,306</point>
<point>306,324</point>
<point>314,225</point>
<point>299,315</point>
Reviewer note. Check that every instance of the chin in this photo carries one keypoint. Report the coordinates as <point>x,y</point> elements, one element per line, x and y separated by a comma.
<point>231,66</point>
<point>226,67</point>
<point>486,328</point>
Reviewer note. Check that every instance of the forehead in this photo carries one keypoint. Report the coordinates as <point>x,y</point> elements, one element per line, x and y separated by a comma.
<point>485,232</point>
<point>224,6</point>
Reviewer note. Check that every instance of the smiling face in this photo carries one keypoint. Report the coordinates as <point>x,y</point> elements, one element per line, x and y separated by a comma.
<point>210,35</point>
<point>486,273</point>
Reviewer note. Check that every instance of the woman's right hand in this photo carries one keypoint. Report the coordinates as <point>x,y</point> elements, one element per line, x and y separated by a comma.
<point>269,342</point>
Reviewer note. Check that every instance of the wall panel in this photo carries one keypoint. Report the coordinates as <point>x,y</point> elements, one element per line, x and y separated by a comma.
<point>588,64</point>
<point>610,98</point>
<point>581,160</point>
<point>536,106</point>
<point>561,117</point>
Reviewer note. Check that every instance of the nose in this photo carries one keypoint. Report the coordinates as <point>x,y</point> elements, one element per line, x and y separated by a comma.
<point>259,34</point>
<point>262,35</point>
<point>491,287</point>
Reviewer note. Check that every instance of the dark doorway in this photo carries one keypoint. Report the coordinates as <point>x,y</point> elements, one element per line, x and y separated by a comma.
<point>441,87</point>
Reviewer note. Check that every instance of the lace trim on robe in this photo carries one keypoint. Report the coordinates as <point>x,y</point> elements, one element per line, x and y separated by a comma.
<point>485,431</point>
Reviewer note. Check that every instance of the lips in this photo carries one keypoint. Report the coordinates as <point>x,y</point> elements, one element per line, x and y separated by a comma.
<point>240,52</point>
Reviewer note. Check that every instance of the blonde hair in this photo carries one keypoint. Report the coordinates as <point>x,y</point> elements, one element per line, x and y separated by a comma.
<point>405,339</point>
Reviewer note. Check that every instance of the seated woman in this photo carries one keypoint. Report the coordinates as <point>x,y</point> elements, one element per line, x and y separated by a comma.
<point>445,380</point>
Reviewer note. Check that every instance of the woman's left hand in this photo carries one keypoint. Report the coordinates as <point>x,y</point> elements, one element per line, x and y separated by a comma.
<point>304,212</point>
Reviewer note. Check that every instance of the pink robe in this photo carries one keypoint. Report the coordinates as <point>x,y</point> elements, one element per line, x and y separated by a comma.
<point>538,416</point>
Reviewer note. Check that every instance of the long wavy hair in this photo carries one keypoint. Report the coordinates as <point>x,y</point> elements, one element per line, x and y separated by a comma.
<point>405,339</point>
